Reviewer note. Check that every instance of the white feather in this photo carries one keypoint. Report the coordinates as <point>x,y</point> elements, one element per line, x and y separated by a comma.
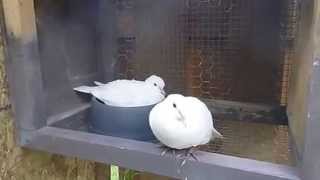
<point>85,89</point>
<point>98,83</point>
<point>196,127</point>
<point>127,93</point>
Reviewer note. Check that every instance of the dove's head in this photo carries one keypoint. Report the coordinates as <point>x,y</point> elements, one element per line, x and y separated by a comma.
<point>174,104</point>
<point>157,82</point>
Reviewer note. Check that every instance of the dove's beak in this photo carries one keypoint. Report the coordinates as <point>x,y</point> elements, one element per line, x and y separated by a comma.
<point>162,92</point>
<point>181,118</point>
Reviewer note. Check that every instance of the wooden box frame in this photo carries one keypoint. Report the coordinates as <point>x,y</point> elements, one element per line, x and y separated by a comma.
<point>33,131</point>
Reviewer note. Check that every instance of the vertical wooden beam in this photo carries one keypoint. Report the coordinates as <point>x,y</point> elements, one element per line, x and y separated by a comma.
<point>311,158</point>
<point>23,64</point>
<point>20,19</point>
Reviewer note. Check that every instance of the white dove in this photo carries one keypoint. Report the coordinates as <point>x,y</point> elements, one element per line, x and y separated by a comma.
<point>181,122</point>
<point>128,93</point>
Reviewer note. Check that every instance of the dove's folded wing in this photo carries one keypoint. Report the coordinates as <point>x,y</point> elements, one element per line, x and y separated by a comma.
<point>98,83</point>
<point>84,89</point>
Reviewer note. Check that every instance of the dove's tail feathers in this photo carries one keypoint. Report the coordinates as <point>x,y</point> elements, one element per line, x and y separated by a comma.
<point>98,83</point>
<point>216,134</point>
<point>84,89</point>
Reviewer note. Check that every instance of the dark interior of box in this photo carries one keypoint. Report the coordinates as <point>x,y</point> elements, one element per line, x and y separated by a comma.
<point>234,55</point>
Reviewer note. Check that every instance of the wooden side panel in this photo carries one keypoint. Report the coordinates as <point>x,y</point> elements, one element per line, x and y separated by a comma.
<point>68,50</point>
<point>300,77</point>
<point>23,64</point>
<point>311,158</point>
<point>143,156</point>
<point>20,19</point>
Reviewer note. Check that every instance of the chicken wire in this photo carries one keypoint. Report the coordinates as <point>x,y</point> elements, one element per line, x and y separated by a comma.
<point>204,47</point>
<point>288,33</point>
<point>200,48</point>
<point>264,142</point>
<point>213,36</point>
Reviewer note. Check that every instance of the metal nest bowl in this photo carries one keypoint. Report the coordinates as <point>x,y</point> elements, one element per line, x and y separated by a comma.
<point>124,122</point>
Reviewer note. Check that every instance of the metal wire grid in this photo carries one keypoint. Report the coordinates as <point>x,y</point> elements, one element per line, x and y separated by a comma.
<point>288,33</point>
<point>124,69</point>
<point>257,141</point>
<point>126,43</point>
<point>201,43</point>
<point>213,34</point>
<point>196,55</point>
<point>139,57</point>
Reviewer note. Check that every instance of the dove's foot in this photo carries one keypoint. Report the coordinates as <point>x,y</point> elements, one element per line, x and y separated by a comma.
<point>188,153</point>
<point>166,150</point>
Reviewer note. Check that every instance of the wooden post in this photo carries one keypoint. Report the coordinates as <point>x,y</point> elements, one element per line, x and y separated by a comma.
<point>23,64</point>
<point>20,19</point>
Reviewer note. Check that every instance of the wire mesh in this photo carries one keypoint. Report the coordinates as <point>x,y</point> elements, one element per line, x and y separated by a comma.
<point>265,142</point>
<point>212,49</point>
<point>288,33</point>
<point>206,48</point>
<point>214,32</point>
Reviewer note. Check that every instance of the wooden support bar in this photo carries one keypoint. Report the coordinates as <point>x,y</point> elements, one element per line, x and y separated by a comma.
<point>23,64</point>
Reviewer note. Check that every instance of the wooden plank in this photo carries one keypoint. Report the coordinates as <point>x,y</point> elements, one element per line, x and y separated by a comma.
<point>311,158</point>
<point>145,157</point>
<point>300,76</point>
<point>23,64</point>
<point>20,19</point>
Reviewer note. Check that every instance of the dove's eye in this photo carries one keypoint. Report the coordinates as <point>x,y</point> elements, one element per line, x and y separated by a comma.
<point>154,84</point>
<point>174,105</point>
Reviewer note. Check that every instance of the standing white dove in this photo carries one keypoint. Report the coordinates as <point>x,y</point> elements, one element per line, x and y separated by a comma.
<point>181,122</point>
<point>128,93</point>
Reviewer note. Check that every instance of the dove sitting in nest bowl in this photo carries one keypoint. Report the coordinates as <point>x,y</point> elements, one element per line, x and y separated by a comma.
<point>121,108</point>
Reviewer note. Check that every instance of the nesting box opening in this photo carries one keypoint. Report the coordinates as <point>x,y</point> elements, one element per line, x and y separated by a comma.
<point>234,55</point>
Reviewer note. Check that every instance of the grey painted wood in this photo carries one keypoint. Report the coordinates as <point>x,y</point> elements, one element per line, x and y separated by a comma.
<point>23,68</point>
<point>311,157</point>
<point>68,49</point>
<point>250,112</point>
<point>27,81</point>
<point>76,113</point>
<point>107,40</point>
<point>295,155</point>
<point>146,157</point>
